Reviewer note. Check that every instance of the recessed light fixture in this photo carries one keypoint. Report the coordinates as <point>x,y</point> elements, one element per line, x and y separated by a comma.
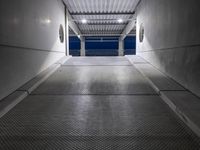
<point>120,20</point>
<point>84,21</point>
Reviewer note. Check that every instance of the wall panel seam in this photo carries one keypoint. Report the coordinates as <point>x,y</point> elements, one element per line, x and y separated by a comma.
<point>27,48</point>
<point>174,48</point>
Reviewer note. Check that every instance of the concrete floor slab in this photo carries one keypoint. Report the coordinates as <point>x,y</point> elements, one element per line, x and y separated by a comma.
<point>97,61</point>
<point>96,80</point>
<point>132,121</point>
<point>159,81</point>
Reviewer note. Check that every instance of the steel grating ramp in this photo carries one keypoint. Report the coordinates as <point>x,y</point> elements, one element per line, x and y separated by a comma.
<point>94,120</point>
<point>96,80</point>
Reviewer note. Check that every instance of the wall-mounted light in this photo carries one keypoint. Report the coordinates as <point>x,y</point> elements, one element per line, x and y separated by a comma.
<point>84,21</point>
<point>141,33</point>
<point>119,20</point>
<point>48,21</point>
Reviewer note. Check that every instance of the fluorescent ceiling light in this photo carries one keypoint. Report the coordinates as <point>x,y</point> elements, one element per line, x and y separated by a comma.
<point>120,20</point>
<point>84,21</point>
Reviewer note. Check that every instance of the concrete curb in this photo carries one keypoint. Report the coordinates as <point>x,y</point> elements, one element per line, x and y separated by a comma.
<point>35,82</point>
<point>181,114</point>
<point>158,80</point>
<point>150,82</point>
<point>16,97</point>
<point>11,101</point>
<point>177,107</point>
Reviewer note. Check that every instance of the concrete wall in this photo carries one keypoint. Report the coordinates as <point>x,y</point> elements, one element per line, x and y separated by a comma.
<point>29,40</point>
<point>172,39</point>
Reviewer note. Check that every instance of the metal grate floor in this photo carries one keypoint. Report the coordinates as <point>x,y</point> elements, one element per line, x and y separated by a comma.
<point>94,122</point>
<point>96,80</point>
<point>98,143</point>
<point>94,108</point>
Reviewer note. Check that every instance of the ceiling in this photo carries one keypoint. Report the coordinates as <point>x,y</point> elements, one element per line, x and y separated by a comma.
<point>102,15</point>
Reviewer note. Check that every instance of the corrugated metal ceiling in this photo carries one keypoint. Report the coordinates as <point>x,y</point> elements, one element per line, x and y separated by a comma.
<point>101,15</point>
<point>99,6</point>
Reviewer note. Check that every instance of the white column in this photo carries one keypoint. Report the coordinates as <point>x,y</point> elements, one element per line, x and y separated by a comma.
<point>67,33</point>
<point>82,46</point>
<point>121,48</point>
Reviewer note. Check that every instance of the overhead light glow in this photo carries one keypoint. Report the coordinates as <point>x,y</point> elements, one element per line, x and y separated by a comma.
<point>84,21</point>
<point>120,20</point>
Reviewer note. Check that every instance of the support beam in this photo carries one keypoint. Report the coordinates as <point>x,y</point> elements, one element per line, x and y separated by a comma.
<point>121,48</point>
<point>107,23</point>
<point>104,35</point>
<point>131,24</point>
<point>67,32</point>
<point>104,13</point>
<point>128,28</point>
<point>69,23</point>
<point>82,46</point>
<point>73,25</point>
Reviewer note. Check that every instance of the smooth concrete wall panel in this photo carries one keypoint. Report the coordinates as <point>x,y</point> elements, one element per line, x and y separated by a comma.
<point>168,24</point>
<point>18,66</point>
<point>171,39</point>
<point>32,23</point>
<point>29,40</point>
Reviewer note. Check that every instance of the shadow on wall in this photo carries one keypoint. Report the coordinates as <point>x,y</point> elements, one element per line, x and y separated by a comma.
<point>172,43</point>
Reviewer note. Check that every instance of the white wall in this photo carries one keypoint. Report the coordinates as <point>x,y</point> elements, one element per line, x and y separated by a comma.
<point>172,39</point>
<point>29,40</point>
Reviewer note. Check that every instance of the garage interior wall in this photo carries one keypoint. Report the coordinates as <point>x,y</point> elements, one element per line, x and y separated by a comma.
<point>29,40</point>
<point>172,39</point>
